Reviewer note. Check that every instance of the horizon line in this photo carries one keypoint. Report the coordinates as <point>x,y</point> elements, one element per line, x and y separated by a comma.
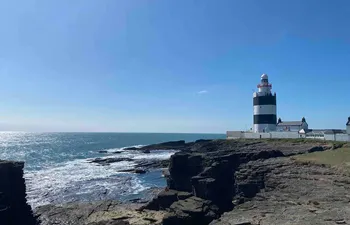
<point>130,132</point>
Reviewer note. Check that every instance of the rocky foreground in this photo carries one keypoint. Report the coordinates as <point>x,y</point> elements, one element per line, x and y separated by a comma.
<point>228,182</point>
<point>14,209</point>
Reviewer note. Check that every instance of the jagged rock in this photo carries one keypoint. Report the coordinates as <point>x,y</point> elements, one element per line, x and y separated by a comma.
<point>147,164</point>
<point>140,171</point>
<point>146,151</point>
<point>107,161</point>
<point>14,209</point>
<point>137,171</point>
<point>191,211</point>
<point>316,149</point>
<point>224,171</point>
<point>103,151</point>
<point>170,145</point>
<point>165,199</point>
<point>222,174</point>
<point>215,183</point>
<point>117,152</point>
<point>182,167</point>
<point>202,141</point>
<point>132,148</point>
<point>288,192</point>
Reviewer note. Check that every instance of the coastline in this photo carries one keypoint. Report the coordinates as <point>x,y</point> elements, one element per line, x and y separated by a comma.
<point>227,182</point>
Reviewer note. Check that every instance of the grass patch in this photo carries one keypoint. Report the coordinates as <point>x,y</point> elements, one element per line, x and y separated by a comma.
<point>339,158</point>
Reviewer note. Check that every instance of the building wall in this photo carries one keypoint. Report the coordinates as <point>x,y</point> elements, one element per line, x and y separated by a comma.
<point>234,134</point>
<point>342,137</point>
<point>329,137</point>
<point>348,129</point>
<point>291,135</point>
<point>337,137</point>
<point>285,135</point>
<point>256,135</point>
<point>315,136</point>
<point>289,128</point>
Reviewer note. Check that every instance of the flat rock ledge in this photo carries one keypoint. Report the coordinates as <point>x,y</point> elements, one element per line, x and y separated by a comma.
<point>98,213</point>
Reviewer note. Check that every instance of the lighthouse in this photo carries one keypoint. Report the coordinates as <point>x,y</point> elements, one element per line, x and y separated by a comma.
<point>264,103</point>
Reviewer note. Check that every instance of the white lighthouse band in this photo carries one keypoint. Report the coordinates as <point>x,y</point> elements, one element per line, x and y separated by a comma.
<point>265,110</point>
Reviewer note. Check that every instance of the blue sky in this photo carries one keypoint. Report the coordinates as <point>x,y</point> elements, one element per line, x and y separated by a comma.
<point>170,66</point>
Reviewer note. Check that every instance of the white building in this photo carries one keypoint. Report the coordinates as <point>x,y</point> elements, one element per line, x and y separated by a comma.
<point>292,125</point>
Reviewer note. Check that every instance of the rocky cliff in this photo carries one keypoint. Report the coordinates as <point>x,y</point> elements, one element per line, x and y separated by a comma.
<point>221,174</point>
<point>14,209</point>
<point>293,193</point>
<point>230,182</point>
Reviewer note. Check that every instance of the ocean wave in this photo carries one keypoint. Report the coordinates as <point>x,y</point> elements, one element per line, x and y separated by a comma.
<point>137,155</point>
<point>113,150</point>
<point>73,178</point>
<point>81,180</point>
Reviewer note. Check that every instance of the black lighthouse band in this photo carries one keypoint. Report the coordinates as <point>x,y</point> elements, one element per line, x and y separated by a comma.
<point>264,100</point>
<point>265,119</point>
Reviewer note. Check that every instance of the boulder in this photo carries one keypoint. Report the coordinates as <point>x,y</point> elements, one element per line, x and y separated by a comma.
<point>191,211</point>
<point>103,151</point>
<point>146,151</point>
<point>14,209</point>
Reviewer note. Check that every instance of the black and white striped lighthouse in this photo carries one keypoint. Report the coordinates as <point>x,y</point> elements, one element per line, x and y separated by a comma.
<point>264,107</point>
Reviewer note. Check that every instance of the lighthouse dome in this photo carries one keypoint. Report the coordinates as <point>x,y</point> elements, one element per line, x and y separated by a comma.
<point>264,76</point>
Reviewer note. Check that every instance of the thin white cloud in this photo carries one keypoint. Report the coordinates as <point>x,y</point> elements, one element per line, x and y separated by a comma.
<point>202,92</point>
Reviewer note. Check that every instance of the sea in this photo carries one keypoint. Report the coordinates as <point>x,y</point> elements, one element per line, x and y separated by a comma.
<point>57,168</point>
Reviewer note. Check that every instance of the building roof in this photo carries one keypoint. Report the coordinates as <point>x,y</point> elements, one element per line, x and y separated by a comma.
<point>335,131</point>
<point>313,131</point>
<point>317,130</point>
<point>290,123</point>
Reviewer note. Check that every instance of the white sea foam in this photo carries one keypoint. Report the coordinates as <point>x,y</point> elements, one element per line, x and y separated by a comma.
<point>112,150</point>
<point>82,180</point>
